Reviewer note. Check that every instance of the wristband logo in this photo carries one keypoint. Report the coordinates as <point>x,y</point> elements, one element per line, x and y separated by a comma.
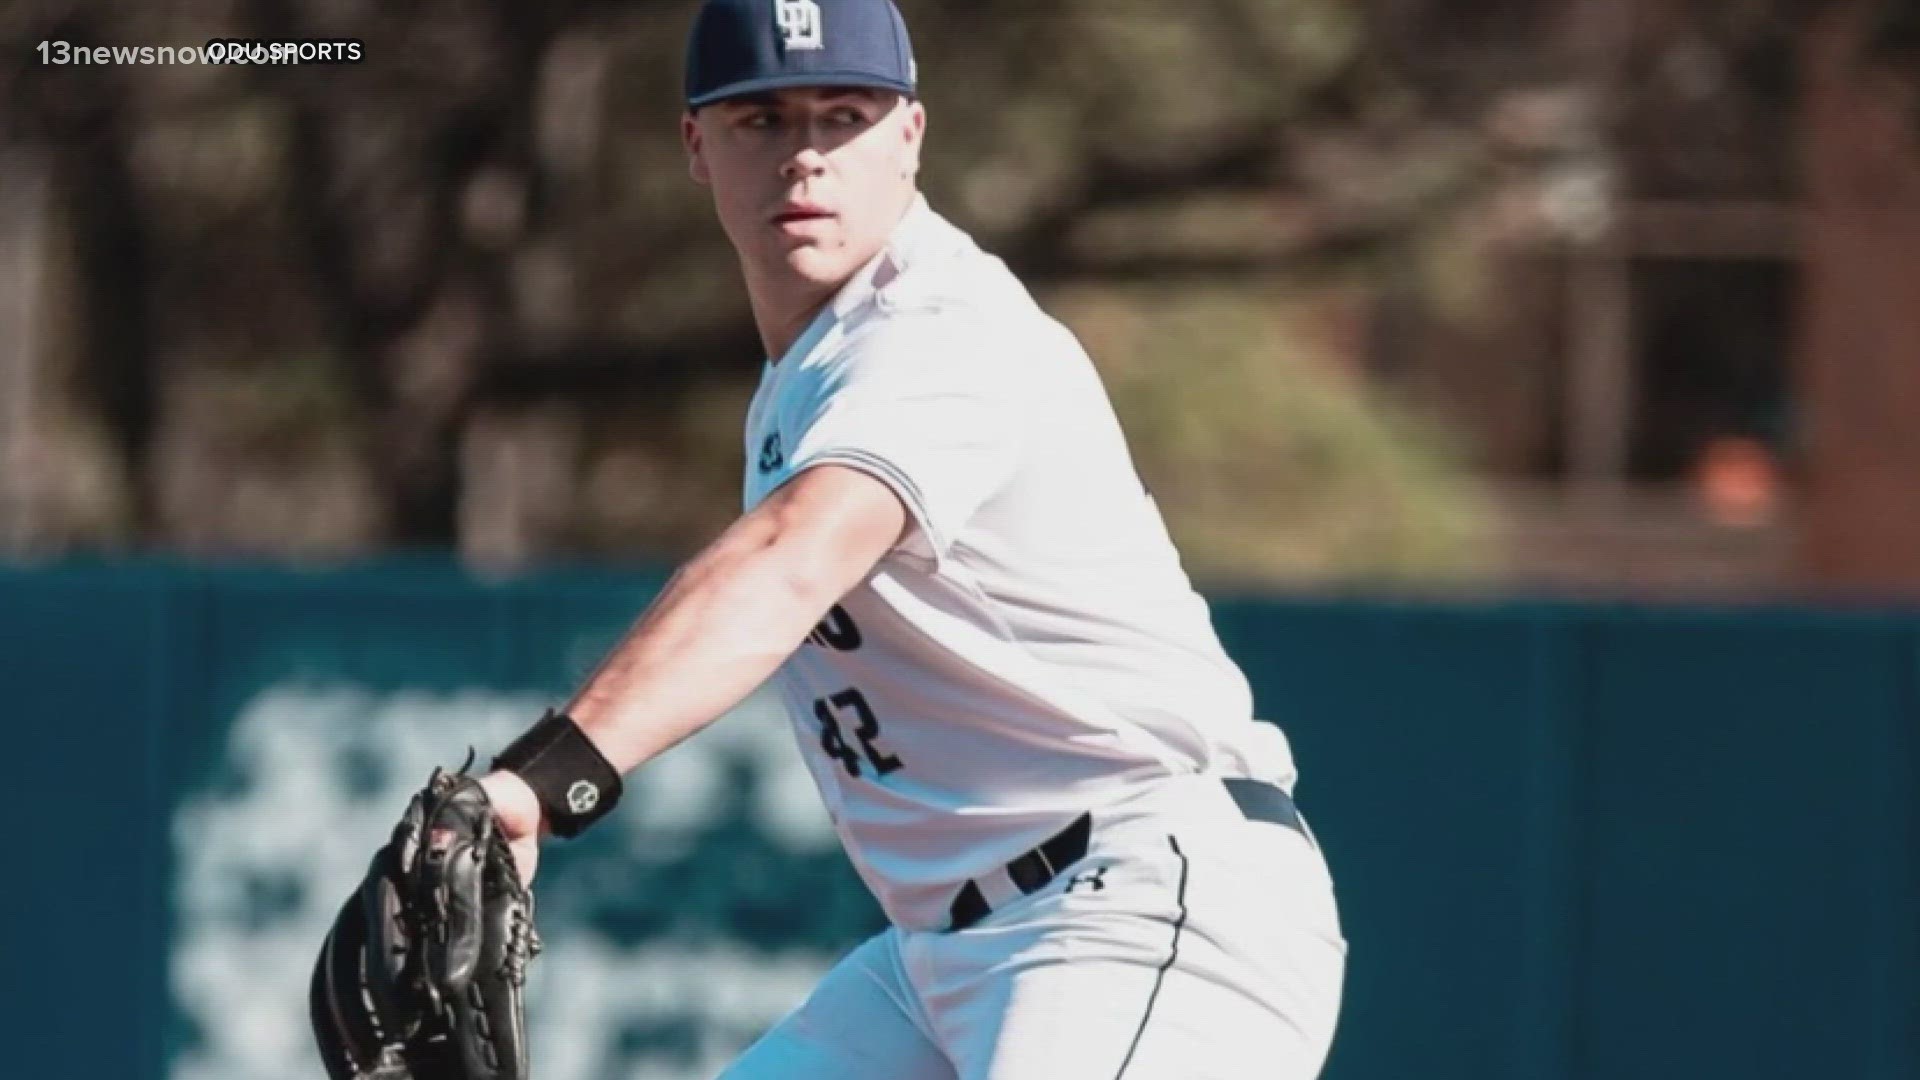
<point>583,796</point>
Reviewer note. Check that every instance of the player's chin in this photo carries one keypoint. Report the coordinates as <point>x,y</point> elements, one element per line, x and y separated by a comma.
<point>819,264</point>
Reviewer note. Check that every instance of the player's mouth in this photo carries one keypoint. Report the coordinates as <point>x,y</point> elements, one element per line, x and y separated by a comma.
<point>793,214</point>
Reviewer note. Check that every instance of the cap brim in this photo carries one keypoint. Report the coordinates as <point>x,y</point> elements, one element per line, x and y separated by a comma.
<point>801,78</point>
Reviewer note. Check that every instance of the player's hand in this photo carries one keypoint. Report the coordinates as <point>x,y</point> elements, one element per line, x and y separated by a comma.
<point>518,810</point>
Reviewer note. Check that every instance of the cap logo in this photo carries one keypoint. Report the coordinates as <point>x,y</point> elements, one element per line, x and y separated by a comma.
<point>800,24</point>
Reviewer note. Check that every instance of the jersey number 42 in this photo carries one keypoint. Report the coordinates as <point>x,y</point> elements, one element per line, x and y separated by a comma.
<point>866,729</point>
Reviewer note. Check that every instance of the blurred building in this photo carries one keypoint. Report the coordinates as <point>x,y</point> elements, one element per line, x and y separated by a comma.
<point>1718,387</point>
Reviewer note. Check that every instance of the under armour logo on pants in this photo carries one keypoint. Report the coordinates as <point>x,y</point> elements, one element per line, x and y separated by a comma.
<point>1094,879</point>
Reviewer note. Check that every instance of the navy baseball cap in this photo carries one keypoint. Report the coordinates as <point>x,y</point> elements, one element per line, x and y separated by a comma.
<point>747,46</point>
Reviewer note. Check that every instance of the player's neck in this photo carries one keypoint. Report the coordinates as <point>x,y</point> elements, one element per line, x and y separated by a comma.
<point>781,313</point>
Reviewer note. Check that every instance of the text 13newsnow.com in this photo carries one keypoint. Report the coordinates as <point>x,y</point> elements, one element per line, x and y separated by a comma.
<point>215,51</point>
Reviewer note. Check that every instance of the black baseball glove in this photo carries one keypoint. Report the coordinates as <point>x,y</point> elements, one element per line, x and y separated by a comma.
<point>422,975</point>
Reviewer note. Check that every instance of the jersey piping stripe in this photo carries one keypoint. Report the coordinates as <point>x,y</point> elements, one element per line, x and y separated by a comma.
<point>883,470</point>
<point>1160,979</point>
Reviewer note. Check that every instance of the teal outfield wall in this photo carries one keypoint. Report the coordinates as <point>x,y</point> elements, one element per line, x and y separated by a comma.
<point>1571,843</point>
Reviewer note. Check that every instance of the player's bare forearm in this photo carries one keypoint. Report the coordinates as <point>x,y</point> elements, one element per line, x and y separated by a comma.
<point>723,624</point>
<point>726,620</point>
<point>729,617</point>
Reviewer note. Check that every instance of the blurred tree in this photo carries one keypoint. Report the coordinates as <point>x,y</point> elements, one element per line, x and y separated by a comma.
<point>464,293</point>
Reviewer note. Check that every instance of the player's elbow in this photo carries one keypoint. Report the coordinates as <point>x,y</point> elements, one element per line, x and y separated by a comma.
<point>831,525</point>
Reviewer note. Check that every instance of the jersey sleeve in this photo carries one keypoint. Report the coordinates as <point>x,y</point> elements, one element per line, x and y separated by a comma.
<point>928,407</point>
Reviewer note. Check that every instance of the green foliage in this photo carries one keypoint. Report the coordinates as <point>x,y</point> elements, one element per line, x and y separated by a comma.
<point>1272,462</point>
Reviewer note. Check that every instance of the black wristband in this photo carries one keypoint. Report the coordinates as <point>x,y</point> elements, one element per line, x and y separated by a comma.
<point>575,783</point>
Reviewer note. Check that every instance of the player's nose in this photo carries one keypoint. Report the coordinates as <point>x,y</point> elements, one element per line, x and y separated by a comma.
<point>807,162</point>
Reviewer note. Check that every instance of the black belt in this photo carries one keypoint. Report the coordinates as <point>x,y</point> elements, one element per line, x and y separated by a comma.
<point>1031,872</point>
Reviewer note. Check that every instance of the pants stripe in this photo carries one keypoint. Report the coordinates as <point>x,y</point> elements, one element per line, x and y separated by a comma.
<point>1161,977</point>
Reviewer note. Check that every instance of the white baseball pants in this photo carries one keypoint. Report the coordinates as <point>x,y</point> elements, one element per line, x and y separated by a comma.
<point>1190,944</point>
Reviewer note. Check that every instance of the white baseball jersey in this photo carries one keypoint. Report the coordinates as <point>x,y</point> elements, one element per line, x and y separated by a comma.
<point>1032,649</point>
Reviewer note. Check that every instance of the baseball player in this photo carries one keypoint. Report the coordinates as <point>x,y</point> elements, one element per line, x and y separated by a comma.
<point>1036,752</point>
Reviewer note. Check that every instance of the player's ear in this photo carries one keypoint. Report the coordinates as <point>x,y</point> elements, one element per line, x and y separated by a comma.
<point>913,132</point>
<point>690,137</point>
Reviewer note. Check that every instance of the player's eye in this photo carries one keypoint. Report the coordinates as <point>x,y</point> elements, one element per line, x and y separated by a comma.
<point>845,115</point>
<point>760,119</point>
